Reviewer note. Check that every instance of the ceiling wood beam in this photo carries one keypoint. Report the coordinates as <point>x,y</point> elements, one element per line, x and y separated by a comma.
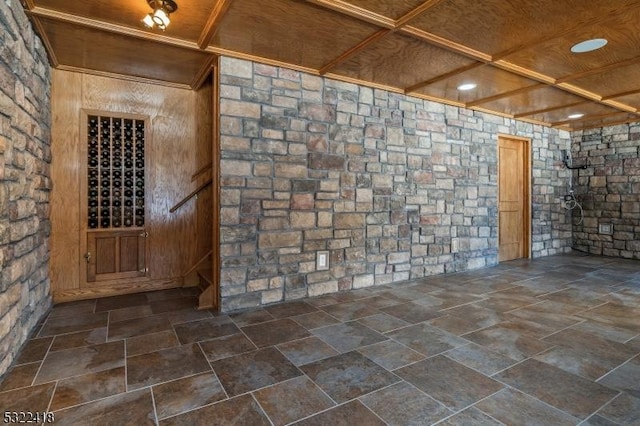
<point>505,95</point>
<point>123,77</point>
<point>254,58</point>
<point>113,28</point>
<point>401,22</point>
<point>355,12</point>
<point>599,70</point>
<point>444,76</point>
<point>213,23</point>
<point>404,20</point>
<point>355,49</point>
<point>619,95</point>
<point>204,72</point>
<point>554,108</point>
<point>446,44</point>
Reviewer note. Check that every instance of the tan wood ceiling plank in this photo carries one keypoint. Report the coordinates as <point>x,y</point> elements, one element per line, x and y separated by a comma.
<point>359,47</point>
<point>620,95</point>
<point>442,77</point>
<point>590,118</point>
<point>404,20</point>
<point>123,77</point>
<point>549,109</point>
<point>212,25</point>
<point>505,95</point>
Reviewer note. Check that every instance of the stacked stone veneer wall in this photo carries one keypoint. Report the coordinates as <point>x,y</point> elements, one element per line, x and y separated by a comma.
<point>609,190</point>
<point>382,181</point>
<point>24,180</point>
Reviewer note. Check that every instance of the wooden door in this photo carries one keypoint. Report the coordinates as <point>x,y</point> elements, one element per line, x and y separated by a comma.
<point>513,198</point>
<point>115,254</point>
<point>113,235</point>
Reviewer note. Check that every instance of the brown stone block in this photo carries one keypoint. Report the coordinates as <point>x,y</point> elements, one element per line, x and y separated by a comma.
<point>349,220</point>
<point>317,112</point>
<point>326,161</point>
<point>302,201</point>
<point>318,143</point>
<point>279,239</point>
<point>288,170</point>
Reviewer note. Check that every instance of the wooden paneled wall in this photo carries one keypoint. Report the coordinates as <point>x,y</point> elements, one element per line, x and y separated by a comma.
<point>178,144</point>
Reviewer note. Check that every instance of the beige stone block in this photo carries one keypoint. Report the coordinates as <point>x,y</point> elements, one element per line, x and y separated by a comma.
<point>361,281</point>
<point>234,143</point>
<point>349,220</point>
<point>257,285</point>
<point>325,219</point>
<point>287,170</point>
<point>236,67</point>
<point>272,296</point>
<point>235,168</point>
<point>239,108</point>
<point>318,289</point>
<point>303,220</point>
<point>302,201</point>
<point>279,239</point>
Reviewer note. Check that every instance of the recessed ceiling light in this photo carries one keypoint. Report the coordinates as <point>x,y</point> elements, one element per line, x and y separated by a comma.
<point>467,86</point>
<point>574,116</point>
<point>589,45</point>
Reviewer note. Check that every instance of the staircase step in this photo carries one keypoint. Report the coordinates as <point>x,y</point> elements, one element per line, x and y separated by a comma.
<point>206,277</point>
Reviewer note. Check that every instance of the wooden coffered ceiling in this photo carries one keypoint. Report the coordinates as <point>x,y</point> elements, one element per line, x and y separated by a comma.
<point>516,51</point>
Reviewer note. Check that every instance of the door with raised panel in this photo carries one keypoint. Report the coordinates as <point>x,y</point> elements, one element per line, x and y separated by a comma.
<point>113,195</point>
<point>513,198</point>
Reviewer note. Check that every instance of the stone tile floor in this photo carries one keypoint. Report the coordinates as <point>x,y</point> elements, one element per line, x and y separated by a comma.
<point>552,341</point>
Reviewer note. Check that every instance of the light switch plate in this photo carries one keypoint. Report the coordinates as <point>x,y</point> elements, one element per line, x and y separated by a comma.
<point>605,228</point>
<point>322,260</point>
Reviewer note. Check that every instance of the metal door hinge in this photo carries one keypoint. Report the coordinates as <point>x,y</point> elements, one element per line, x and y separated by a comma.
<point>87,256</point>
<point>144,270</point>
<point>144,234</point>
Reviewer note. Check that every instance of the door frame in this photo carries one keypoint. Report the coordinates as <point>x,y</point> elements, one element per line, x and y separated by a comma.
<point>527,222</point>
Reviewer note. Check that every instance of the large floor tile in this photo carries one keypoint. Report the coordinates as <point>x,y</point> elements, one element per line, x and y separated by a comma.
<point>508,342</point>
<point>613,314</point>
<point>79,339</point>
<point>348,376</point>
<point>242,410</point>
<point>34,350</point>
<point>303,399</point>
<point>515,408</point>
<point>575,395</point>
<point>290,309</point>
<point>275,332</point>
<point>413,313</point>
<point>254,316</point>
<point>117,302</point>
<point>348,311</point>
<point>391,354</point>
<point>80,307</point>
<point>404,404</point>
<point>348,336</point>
<point>182,395</point>
<point>315,320</point>
<point>470,416</point>
<point>625,378</point>
<point>383,323</point>
<point>171,305</point>
<point>197,331</point>
<point>349,414</point>
<point>165,365</point>
<point>138,327</point>
<point>84,360</point>
<point>624,410</point>
<point>151,342</point>
<point>254,370</point>
<point>448,381</point>
<point>133,408</point>
<point>88,387</point>
<point>70,324</point>
<point>480,358</point>
<point>426,339</point>
<point>307,350</point>
<point>19,376</point>
<point>35,398</point>
<point>226,346</point>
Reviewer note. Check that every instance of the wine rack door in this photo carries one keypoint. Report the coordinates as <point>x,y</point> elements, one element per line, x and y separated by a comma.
<point>115,197</point>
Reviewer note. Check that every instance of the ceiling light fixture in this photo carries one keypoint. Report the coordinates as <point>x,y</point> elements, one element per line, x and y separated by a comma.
<point>575,116</point>
<point>467,86</point>
<point>589,45</point>
<point>160,15</point>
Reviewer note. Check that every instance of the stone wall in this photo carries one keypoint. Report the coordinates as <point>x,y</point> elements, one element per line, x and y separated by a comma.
<point>609,190</point>
<point>24,180</point>
<point>383,181</point>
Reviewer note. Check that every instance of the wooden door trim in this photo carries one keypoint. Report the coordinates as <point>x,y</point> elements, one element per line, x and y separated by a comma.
<point>215,185</point>
<point>526,225</point>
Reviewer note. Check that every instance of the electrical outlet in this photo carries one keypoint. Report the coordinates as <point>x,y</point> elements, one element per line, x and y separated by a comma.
<point>322,261</point>
<point>455,245</point>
